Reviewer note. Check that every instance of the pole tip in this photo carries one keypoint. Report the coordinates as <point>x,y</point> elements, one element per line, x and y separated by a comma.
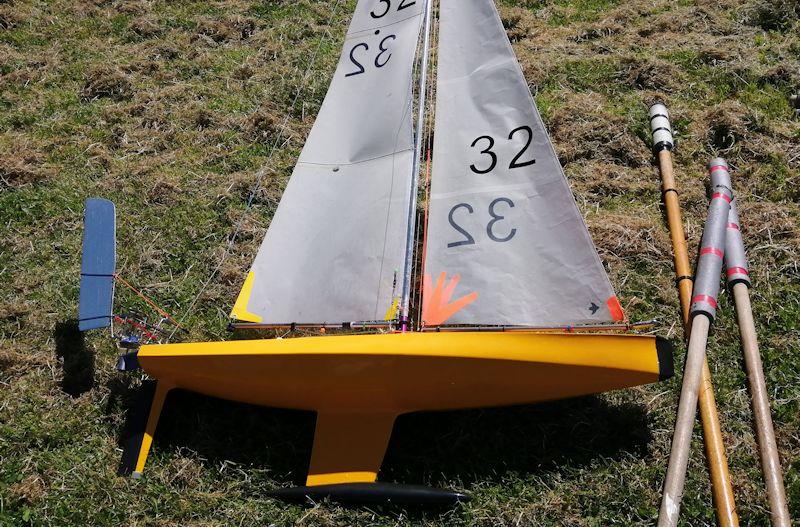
<point>720,174</point>
<point>661,128</point>
<point>718,162</point>
<point>658,108</point>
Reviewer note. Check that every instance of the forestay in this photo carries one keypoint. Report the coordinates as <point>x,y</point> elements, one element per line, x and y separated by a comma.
<point>506,243</point>
<point>335,248</point>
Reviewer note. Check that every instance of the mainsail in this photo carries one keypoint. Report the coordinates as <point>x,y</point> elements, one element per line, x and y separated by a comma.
<point>505,237</point>
<point>335,249</point>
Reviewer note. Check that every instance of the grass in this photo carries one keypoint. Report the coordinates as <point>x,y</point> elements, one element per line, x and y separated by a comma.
<point>170,108</point>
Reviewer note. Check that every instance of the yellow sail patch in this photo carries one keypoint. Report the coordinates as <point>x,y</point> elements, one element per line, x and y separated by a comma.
<point>239,311</point>
<point>392,312</point>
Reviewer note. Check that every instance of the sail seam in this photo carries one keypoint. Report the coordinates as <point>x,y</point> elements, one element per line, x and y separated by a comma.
<point>354,162</point>
<point>473,191</point>
<point>355,34</point>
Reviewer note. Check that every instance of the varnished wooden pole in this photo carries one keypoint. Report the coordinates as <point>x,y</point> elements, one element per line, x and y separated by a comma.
<point>702,310</point>
<point>721,487</point>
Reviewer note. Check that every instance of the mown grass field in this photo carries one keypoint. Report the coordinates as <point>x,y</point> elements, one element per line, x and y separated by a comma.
<point>171,108</point>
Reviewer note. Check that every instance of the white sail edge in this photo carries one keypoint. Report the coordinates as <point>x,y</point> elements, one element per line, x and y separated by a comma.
<point>506,244</point>
<point>334,249</point>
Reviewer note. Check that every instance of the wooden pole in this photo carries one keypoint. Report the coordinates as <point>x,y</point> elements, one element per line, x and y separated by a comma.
<point>770,463</point>
<point>681,440</point>
<point>703,306</point>
<point>738,278</point>
<point>721,487</point>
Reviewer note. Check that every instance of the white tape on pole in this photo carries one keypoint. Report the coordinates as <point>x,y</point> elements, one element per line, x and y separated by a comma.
<point>661,128</point>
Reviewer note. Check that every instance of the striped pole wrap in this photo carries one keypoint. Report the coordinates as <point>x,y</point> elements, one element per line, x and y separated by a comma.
<point>712,251</point>
<point>662,130</point>
<point>736,269</point>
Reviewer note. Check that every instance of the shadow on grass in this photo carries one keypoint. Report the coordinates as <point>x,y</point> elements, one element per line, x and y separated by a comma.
<point>77,360</point>
<point>219,430</point>
<point>434,449</point>
<point>488,445</point>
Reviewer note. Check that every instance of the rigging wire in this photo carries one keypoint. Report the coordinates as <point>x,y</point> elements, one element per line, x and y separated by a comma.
<point>148,301</point>
<point>261,172</point>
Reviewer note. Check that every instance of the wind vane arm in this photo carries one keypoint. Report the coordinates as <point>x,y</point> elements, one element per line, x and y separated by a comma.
<point>98,278</point>
<point>98,265</point>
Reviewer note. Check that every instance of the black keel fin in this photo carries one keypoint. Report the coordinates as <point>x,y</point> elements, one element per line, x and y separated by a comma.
<point>372,493</point>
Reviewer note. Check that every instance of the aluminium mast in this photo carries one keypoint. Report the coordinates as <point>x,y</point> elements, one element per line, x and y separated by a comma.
<point>405,321</point>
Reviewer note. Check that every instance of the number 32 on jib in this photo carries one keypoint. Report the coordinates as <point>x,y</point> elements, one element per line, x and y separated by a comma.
<point>364,57</point>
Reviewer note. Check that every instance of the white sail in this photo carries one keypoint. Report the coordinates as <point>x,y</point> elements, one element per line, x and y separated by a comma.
<point>336,246</point>
<point>506,243</point>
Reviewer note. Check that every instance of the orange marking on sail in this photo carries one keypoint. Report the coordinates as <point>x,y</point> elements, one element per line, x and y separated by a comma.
<point>616,309</point>
<point>436,304</point>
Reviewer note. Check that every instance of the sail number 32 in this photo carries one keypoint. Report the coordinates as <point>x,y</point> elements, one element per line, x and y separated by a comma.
<point>489,141</point>
<point>375,13</point>
<point>381,58</point>
<point>494,223</point>
<point>496,218</point>
<point>357,56</point>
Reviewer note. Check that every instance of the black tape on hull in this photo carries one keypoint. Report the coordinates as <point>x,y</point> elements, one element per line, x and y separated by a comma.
<point>666,364</point>
<point>372,493</point>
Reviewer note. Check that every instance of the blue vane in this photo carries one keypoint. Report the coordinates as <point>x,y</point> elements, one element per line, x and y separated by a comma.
<point>98,265</point>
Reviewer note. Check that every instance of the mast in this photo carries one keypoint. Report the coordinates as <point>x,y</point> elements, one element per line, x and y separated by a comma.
<point>412,202</point>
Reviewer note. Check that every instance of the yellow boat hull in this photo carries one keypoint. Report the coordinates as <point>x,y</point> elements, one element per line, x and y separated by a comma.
<point>359,384</point>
